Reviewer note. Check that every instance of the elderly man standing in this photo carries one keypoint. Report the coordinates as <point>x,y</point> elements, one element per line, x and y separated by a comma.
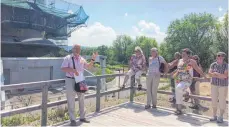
<point>68,68</point>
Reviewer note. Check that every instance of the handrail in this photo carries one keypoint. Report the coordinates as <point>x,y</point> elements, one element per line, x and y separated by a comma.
<point>45,104</point>
<point>50,82</point>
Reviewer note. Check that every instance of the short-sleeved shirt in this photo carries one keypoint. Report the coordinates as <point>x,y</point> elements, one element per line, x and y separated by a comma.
<point>137,62</point>
<point>80,64</point>
<point>220,68</point>
<point>154,65</point>
<point>185,73</point>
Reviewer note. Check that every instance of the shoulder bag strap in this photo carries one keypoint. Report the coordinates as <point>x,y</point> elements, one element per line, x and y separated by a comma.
<point>74,67</point>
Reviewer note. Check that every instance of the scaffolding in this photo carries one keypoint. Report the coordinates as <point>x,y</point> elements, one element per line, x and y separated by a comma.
<point>55,18</point>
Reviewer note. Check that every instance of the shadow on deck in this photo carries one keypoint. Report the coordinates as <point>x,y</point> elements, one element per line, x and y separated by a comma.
<point>134,114</point>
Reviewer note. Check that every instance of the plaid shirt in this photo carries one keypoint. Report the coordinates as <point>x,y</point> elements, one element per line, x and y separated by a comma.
<point>137,62</point>
<point>215,67</point>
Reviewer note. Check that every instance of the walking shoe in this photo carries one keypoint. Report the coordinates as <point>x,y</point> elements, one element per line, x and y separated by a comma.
<point>154,106</point>
<point>73,123</point>
<point>147,106</point>
<point>220,120</point>
<point>194,106</point>
<point>214,118</point>
<point>172,100</point>
<point>84,120</point>
<point>178,112</point>
<point>139,87</point>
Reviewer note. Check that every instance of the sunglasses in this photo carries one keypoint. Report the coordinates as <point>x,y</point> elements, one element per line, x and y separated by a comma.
<point>220,56</point>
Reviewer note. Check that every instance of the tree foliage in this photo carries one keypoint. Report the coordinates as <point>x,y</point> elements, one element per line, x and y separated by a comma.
<point>194,31</point>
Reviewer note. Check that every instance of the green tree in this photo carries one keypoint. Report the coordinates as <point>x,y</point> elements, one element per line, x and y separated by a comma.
<point>146,44</point>
<point>193,31</point>
<point>221,36</point>
<point>163,51</point>
<point>120,48</point>
<point>106,51</point>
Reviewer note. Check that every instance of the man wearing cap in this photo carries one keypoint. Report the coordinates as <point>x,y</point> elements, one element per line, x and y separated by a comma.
<point>219,85</point>
<point>184,76</point>
<point>68,68</point>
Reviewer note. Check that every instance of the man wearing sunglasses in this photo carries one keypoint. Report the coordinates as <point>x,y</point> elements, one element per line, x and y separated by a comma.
<point>219,85</point>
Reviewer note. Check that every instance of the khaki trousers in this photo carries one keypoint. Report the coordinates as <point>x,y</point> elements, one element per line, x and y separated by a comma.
<point>152,82</point>
<point>219,93</point>
<point>70,93</point>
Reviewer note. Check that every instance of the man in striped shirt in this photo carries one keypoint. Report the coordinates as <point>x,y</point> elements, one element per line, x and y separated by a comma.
<point>219,73</point>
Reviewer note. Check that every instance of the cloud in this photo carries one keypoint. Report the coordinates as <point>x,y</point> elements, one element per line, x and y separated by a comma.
<point>70,11</point>
<point>126,14</point>
<point>95,35</point>
<point>220,9</point>
<point>148,29</point>
<point>220,19</point>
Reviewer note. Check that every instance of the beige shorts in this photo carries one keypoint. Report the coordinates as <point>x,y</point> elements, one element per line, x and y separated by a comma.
<point>137,74</point>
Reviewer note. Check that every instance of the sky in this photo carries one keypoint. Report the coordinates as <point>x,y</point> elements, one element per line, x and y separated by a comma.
<point>151,18</point>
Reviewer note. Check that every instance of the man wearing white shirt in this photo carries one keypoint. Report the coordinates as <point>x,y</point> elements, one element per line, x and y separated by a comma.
<point>67,67</point>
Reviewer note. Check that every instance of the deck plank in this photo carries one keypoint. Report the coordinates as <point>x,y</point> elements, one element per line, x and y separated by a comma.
<point>134,114</point>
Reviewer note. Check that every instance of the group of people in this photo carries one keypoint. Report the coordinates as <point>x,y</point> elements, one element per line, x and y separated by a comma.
<point>185,70</point>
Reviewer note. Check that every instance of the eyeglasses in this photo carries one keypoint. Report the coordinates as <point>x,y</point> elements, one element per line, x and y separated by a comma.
<point>220,56</point>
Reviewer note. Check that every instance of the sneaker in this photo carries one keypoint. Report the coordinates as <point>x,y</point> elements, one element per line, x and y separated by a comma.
<point>214,118</point>
<point>84,120</point>
<point>172,100</point>
<point>73,123</point>
<point>194,106</point>
<point>147,106</point>
<point>186,97</point>
<point>154,106</point>
<point>139,87</point>
<point>220,120</point>
<point>178,112</point>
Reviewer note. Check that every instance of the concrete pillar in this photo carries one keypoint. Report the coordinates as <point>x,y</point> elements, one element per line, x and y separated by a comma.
<point>3,98</point>
<point>103,67</point>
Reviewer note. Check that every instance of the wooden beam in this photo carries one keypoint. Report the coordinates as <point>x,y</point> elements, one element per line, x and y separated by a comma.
<point>32,84</point>
<point>20,110</point>
<point>98,88</point>
<point>44,105</point>
<point>38,107</point>
<point>50,82</point>
<point>114,91</point>
<point>205,98</point>
<point>132,88</point>
<point>60,102</point>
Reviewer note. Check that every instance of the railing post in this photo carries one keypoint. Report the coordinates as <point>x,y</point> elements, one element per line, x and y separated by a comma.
<point>98,88</point>
<point>44,105</point>
<point>132,82</point>
<point>119,83</point>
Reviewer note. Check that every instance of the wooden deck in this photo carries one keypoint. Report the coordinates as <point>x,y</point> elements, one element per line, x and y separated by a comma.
<point>134,114</point>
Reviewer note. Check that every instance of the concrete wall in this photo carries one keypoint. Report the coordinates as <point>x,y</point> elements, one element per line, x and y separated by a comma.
<point>22,70</point>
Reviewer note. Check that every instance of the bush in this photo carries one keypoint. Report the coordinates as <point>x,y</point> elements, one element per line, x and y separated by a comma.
<point>107,71</point>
